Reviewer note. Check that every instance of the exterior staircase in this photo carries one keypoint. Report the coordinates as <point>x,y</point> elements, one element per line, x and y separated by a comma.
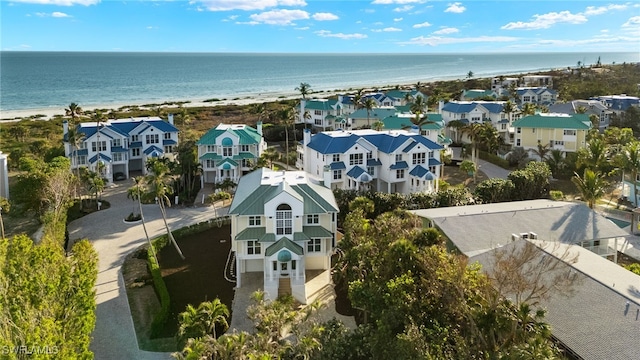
<point>284,286</point>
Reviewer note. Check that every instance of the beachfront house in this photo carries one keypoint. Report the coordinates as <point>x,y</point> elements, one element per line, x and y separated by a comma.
<point>593,108</point>
<point>537,80</point>
<point>229,152</point>
<point>501,85</point>
<point>478,112</point>
<point>120,146</point>
<point>385,161</point>
<point>362,118</point>
<point>564,132</point>
<point>404,97</point>
<point>536,95</point>
<point>478,94</point>
<point>283,227</point>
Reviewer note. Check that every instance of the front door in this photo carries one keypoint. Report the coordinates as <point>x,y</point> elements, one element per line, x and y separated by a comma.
<point>284,269</point>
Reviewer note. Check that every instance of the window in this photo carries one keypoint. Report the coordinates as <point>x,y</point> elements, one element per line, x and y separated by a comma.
<point>82,160</point>
<point>503,127</point>
<point>116,142</point>
<point>135,152</point>
<point>432,169</point>
<point>135,138</point>
<point>152,139</point>
<point>419,158</point>
<point>371,170</point>
<point>255,221</point>
<point>369,155</point>
<point>210,163</point>
<point>168,149</point>
<point>476,119</point>
<point>167,136</point>
<point>337,174</point>
<point>314,245</point>
<point>83,145</point>
<point>398,157</point>
<point>569,132</point>
<point>275,266</point>
<point>227,151</point>
<point>336,157</point>
<point>284,220</point>
<point>519,130</point>
<point>317,112</point>
<point>355,159</point>
<point>102,146</point>
<point>293,265</point>
<point>430,154</point>
<point>244,148</point>
<point>117,157</point>
<point>400,174</point>
<point>517,142</point>
<point>211,148</point>
<point>561,143</point>
<point>313,219</point>
<point>253,247</point>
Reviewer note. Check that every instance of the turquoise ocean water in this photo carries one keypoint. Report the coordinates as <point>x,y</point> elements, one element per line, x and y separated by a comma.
<point>45,80</point>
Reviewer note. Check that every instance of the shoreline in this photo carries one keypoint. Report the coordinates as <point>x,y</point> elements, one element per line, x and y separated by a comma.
<point>247,99</point>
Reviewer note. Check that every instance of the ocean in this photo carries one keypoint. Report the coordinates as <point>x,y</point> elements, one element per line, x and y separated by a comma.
<point>48,80</point>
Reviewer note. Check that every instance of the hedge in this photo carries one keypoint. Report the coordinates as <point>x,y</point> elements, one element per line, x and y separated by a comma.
<point>494,159</point>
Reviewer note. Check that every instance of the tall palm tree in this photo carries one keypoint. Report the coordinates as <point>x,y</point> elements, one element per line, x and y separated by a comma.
<point>75,138</point>
<point>591,185</point>
<point>157,183</point>
<point>456,126</point>
<point>473,131</point>
<point>528,109</point>
<point>98,116</point>
<point>542,150</point>
<point>377,125</point>
<point>357,98</point>
<point>74,110</point>
<point>285,116</point>
<point>509,108</point>
<point>304,89</point>
<point>369,104</point>
<point>135,193</point>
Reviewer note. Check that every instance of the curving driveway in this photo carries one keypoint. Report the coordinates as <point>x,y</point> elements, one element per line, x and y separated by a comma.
<point>114,336</point>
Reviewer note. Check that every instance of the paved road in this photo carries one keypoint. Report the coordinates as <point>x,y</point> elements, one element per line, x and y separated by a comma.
<point>491,170</point>
<point>114,336</point>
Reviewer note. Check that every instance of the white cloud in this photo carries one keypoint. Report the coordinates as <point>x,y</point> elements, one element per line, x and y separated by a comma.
<point>25,46</point>
<point>592,10</point>
<point>55,14</point>
<point>227,5</point>
<point>302,28</point>
<point>456,8</point>
<point>378,23</point>
<point>388,29</point>
<point>403,8</point>
<point>325,16</point>
<point>422,25</point>
<point>437,40</point>
<point>545,21</point>
<point>632,22</point>
<point>446,31</point>
<point>279,17</point>
<point>598,40</point>
<point>387,2</point>
<point>327,33</point>
<point>397,19</point>
<point>60,2</point>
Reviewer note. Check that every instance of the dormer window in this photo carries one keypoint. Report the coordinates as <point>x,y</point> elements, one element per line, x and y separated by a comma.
<point>284,220</point>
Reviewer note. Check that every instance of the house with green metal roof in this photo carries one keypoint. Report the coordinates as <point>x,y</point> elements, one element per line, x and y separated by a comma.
<point>478,94</point>
<point>284,225</point>
<point>564,132</point>
<point>321,114</point>
<point>229,151</point>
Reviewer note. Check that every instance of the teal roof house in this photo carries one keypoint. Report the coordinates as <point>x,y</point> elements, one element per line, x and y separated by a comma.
<point>229,152</point>
<point>284,226</point>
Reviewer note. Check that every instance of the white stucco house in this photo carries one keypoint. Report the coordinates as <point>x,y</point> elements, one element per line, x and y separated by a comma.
<point>284,226</point>
<point>121,145</point>
<point>229,151</point>
<point>385,161</point>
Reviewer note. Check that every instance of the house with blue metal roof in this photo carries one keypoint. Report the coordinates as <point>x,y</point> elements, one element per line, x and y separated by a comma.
<point>536,95</point>
<point>284,225</point>
<point>386,161</point>
<point>478,112</point>
<point>618,103</point>
<point>229,152</point>
<point>121,145</point>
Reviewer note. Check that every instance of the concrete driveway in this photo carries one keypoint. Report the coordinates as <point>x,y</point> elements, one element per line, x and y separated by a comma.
<point>492,171</point>
<point>114,336</point>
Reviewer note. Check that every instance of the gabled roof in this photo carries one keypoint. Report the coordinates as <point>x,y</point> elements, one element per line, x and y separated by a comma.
<point>324,105</point>
<point>460,107</point>
<point>374,162</point>
<point>555,121</point>
<point>478,93</point>
<point>261,185</point>
<point>168,142</point>
<point>399,165</point>
<point>153,149</point>
<point>338,142</point>
<point>284,243</point>
<point>104,157</point>
<point>338,165</point>
<point>246,134</point>
<point>359,174</point>
<point>400,121</point>
<point>374,114</point>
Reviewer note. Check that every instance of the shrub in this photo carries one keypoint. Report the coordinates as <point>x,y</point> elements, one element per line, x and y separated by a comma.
<point>133,217</point>
<point>494,159</point>
<point>163,293</point>
<point>221,195</point>
<point>556,195</point>
<point>634,268</point>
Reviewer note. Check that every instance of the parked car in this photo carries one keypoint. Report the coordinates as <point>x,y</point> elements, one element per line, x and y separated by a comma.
<point>119,176</point>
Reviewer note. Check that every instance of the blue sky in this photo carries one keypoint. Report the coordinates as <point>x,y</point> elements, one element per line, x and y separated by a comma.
<point>351,26</point>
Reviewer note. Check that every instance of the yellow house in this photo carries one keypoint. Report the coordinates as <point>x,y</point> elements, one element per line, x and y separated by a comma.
<point>561,131</point>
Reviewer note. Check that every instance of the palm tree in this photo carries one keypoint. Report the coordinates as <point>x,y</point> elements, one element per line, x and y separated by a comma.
<point>271,155</point>
<point>591,185</point>
<point>469,74</point>
<point>542,150</point>
<point>304,89</point>
<point>556,162</point>
<point>456,126</point>
<point>158,186</point>
<point>135,192</point>
<point>594,155</point>
<point>369,104</point>
<point>473,131</point>
<point>307,116</point>
<point>528,109</point>
<point>357,98</point>
<point>377,125</point>
<point>75,138</point>
<point>201,321</point>
<point>74,110</point>
<point>98,117</point>
<point>509,108</point>
<point>286,119</point>
<point>408,98</point>
<point>419,107</point>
